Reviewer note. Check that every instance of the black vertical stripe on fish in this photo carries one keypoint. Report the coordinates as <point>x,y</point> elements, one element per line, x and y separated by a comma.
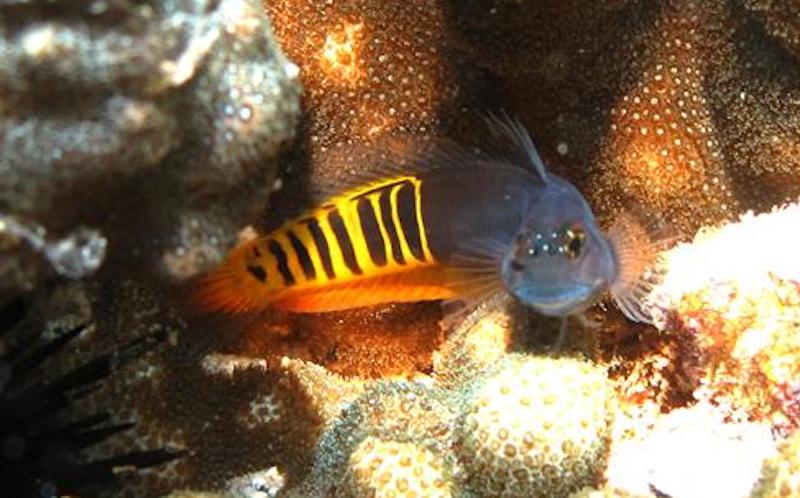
<point>283,263</point>
<point>371,232</point>
<point>345,244</point>
<point>258,272</point>
<point>386,215</point>
<point>302,256</point>
<point>407,214</point>
<point>322,246</point>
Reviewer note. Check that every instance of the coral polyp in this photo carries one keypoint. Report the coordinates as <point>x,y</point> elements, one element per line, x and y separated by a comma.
<point>391,469</point>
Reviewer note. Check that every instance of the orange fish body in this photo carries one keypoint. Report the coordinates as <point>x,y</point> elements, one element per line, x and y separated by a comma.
<point>365,247</point>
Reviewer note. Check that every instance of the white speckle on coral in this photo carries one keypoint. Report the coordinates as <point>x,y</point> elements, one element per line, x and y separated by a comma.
<point>292,70</point>
<point>245,113</point>
<point>39,43</point>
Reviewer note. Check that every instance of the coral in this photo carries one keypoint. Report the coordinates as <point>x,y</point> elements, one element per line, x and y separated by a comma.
<point>755,102</point>
<point>386,469</point>
<point>368,343</point>
<point>195,494</point>
<point>739,319</point>
<point>779,18</point>
<point>781,472</point>
<point>132,117</point>
<point>479,342</point>
<point>536,427</point>
<point>606,492</point>
<point>76,255</point>
<point>156,124</point>
<point>513,430</point>
<point>660,147</point>
<point>327,392</point>
<point>263,484</point>
<point>398,412</point>
<point>725,458</point>
<point>371,68</point>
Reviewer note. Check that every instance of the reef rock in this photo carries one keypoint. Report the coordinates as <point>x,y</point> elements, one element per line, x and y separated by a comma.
<point>138,119</point>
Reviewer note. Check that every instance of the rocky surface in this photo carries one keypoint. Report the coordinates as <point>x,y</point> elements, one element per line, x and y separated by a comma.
<point>154,123</point>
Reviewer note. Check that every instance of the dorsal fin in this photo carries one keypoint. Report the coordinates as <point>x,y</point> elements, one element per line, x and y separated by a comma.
<point>363,164</point>
<point>518,140</point>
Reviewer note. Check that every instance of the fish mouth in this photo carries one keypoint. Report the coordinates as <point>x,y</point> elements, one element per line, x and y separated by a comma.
<point>560,300</point>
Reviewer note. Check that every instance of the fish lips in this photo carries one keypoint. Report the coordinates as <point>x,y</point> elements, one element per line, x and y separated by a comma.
<point>558,300</point>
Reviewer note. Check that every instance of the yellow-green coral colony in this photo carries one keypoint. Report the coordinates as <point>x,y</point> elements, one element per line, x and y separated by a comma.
<point>529,427</point>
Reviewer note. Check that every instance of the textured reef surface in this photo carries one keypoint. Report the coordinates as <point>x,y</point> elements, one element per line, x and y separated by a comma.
<point>140,139</point>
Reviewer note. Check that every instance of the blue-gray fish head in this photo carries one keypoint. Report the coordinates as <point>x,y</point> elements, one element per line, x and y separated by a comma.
<point>559,262</point>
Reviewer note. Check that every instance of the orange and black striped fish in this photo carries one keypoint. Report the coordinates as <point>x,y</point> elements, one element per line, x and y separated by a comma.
<point>441,223</point>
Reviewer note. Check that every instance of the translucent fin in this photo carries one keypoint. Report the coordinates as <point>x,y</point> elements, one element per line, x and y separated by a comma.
<point>478,266</point>
<point>454,311</point>
<point>225,289</point>
<point>519,140</point>
<point>638,241</point>
<point>359,166</point>
<point>563,330</point>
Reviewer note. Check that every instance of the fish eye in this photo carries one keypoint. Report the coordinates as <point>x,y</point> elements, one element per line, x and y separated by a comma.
<point>574,242</point>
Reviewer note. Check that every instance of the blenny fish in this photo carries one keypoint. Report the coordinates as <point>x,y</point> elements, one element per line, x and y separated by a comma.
<point>441,222</point>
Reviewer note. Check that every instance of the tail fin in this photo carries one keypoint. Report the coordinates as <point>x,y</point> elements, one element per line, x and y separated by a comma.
<point>229,289</point>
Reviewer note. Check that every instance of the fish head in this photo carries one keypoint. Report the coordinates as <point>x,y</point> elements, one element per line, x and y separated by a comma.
<point>559,262</point>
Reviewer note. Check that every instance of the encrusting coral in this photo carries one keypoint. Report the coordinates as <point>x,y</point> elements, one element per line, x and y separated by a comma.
<point>606,492</point>
<point>739,322</point>
<point>390,469</point>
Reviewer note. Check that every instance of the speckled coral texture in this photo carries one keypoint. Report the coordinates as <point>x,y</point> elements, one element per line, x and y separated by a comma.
<point>684,108</point>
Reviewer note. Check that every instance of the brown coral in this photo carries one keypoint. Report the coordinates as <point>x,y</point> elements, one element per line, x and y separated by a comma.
<point>661,146</point>
<point>369,68</point>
